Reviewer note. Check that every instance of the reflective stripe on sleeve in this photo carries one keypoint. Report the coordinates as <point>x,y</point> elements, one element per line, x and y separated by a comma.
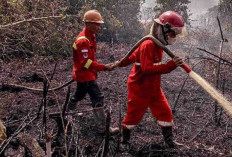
<point>88,63</point>
<point>159,63</point>
<point>74,46</point>
<point>82,37</point>
<point>85,50</point>
<point>165,124</point>
<point>79,38</point>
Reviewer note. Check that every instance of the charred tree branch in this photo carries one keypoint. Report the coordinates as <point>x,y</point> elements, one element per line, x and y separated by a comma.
<point>107,136</point>
<point>32,20</point>
<point>215,56</point>
<point>38,89</point>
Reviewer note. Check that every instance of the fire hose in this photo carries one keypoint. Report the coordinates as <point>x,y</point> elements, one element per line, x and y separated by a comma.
<point>156,41</point>
<point>203,83</point>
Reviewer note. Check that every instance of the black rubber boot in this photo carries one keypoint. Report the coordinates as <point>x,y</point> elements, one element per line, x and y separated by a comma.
<point>168,138</point>
<point>125,136</point>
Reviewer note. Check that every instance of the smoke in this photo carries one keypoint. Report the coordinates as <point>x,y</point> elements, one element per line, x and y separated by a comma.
<point>196,8</point>
<point>200,7</point>
<point>213,92</point>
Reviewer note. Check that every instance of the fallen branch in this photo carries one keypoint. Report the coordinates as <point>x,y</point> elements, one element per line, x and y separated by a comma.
<point>57,114</point>
<point>37,89</point>
<point>31,20</point>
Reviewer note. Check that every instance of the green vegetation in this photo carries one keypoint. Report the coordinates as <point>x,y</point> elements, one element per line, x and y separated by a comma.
<point>49,27</point>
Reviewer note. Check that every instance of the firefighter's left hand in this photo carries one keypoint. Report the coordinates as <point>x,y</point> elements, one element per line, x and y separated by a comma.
<point>110,66</point>
<point>117,63</point>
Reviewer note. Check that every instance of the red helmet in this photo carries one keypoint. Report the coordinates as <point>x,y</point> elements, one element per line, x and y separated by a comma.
<point>171,18</point>
<point>172,25</point>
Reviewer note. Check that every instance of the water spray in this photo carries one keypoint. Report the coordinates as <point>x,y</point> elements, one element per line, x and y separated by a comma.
<point>202,82</point>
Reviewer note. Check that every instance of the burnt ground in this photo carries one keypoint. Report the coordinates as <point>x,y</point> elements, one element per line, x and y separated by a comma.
<point>194,116</point>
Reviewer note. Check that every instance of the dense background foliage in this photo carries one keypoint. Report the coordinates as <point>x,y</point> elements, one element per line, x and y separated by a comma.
<point>49,27</point>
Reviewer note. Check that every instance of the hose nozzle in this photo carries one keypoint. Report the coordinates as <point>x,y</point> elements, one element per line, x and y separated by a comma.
<point>186,67</point>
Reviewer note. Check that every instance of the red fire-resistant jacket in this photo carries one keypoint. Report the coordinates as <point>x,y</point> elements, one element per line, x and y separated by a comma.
<point>145,77</point>
<point>85,66</point>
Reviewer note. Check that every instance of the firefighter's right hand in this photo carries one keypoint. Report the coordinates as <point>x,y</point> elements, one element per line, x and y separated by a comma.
<point>109,66</point>
<point>177,60</point>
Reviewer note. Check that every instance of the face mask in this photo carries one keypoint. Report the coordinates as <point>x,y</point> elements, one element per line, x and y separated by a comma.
<point>169,36</point>
<point>175,34</point>
<point>171,41</point>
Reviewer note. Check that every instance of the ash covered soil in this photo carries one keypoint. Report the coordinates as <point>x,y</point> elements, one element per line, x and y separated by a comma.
<point>195,126</point>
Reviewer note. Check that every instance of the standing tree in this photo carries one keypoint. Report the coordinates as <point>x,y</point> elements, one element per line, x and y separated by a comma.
<point>121,19</point>
<point>180,6</point>
<point>225,12</point>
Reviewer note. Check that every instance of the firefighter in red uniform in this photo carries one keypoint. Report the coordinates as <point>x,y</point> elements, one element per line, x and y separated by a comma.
<point>85,68</point>
<point>144,90</point>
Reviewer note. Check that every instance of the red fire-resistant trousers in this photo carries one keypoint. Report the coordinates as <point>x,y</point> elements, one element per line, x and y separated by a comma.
<point>137,106</point>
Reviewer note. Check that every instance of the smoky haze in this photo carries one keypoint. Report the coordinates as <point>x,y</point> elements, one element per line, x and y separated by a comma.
<point>196,8</point>
<point>199,7</point>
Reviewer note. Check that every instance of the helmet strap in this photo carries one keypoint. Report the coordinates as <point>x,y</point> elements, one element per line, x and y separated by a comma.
<point>164,34</point>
